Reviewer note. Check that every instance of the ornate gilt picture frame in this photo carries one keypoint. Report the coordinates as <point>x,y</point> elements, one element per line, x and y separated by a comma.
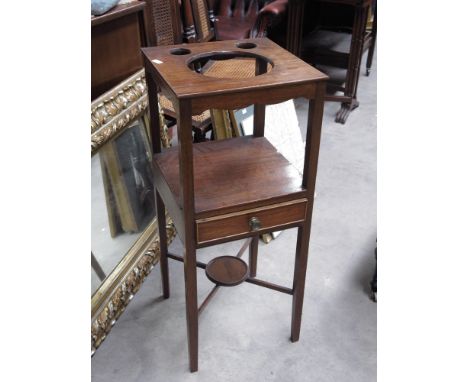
<point>111,114</point>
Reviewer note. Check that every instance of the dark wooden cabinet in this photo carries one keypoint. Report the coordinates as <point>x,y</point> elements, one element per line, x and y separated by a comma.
<point>116,39</point>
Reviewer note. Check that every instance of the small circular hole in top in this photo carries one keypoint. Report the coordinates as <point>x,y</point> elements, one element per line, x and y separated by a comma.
<point>180,51</point>
<point>246,45</point>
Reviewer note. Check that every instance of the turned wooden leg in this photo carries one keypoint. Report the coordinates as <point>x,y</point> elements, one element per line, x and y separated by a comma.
<point>354,64</point>
<point>253,253</point>
<point>161,214</point>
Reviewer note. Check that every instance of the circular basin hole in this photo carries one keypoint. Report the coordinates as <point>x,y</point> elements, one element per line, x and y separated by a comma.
<point>246,45</point>
<point>180,51</point>
<point>230,64</point>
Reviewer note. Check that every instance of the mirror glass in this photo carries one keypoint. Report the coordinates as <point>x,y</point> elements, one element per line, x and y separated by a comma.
<point>122,198</point>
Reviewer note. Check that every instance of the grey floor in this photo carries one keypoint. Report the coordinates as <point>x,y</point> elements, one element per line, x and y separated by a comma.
<point>244,332</point>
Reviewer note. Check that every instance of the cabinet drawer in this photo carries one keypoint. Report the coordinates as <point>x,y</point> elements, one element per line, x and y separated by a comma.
<point>261,219</point>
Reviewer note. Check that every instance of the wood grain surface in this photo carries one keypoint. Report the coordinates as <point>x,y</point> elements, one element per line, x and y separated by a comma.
<point>178,81</point>
<point>233,173</point>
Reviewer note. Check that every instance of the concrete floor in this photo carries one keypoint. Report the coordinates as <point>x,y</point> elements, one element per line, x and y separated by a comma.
<point>244,332</point>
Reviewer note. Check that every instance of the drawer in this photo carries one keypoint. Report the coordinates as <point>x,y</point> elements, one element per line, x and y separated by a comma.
<point>261,219</point>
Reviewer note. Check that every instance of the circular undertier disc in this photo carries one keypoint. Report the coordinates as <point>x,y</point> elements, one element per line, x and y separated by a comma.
<point>227,270</point>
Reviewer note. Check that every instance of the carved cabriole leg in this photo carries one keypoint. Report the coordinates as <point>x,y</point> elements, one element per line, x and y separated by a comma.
<point>345,111</point>
<point>184,131</point>
<point>314,127</point>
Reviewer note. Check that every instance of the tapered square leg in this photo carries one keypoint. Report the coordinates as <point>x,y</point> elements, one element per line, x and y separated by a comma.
<point>253,253</point>
<point>184,132</point>
<point>300,268</point>
<point>314,126</point>
<point>161,214</point>
<point>191,306</point>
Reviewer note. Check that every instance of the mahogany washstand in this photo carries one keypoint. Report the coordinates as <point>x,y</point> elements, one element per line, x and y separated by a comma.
<point>225,190</point>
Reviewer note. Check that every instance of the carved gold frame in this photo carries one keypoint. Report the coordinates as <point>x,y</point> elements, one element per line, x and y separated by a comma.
<point>111,113</point>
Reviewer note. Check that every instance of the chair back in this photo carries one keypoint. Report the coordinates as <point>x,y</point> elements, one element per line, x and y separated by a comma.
<point>198,25</point>
<point>163,22</point>
<point>239,9</point>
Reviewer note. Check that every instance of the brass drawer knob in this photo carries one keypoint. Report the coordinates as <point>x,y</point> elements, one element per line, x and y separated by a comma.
<point>254,224</point>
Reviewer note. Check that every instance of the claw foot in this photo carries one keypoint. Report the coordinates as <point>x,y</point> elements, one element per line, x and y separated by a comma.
<point>345,110</point>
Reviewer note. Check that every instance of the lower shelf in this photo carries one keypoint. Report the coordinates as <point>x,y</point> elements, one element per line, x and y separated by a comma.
<point>231,174</point>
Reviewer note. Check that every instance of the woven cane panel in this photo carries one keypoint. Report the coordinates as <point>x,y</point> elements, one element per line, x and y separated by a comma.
<point>235,68</point>
<point>202,117</point>
<point>166,104</point>
<point>204,21</point>
<point>161,11</point>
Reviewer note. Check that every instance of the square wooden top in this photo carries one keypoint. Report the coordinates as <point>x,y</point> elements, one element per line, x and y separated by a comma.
<point>173,69</point>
